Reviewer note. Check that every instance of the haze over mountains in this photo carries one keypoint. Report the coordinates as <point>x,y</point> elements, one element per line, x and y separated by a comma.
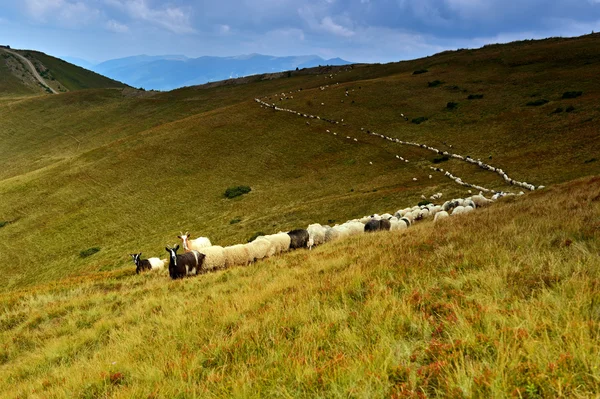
<point>167,72</point>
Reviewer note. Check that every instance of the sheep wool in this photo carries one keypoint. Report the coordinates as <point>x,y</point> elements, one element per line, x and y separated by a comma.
<point>236,255</point>
<point>317,233</point>
<point>258,249</point>
<point>441,215</point>
<point>214,257</point>
<point>156,263</point>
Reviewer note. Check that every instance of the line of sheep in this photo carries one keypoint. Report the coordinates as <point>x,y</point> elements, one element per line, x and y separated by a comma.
<point>201,256</point>
<point>467,158</point>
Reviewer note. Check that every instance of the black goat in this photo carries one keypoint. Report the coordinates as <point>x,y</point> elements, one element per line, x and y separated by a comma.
<point>189,263</point>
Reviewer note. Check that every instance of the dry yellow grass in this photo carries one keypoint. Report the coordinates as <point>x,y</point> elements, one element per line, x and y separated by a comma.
<point>500,302</point>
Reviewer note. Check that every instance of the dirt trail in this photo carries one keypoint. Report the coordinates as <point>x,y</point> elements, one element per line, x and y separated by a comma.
<point>33,70</point>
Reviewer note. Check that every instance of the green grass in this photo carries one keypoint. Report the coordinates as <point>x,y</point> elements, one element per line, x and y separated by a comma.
<point>71,76</point>
<point>501,302</point>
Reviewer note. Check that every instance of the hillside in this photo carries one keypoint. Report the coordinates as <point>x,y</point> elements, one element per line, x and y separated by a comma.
<point>497,302</point>
<point>17,78</point>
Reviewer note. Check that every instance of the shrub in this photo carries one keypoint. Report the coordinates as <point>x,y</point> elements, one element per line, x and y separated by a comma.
<point>451,105</point>
<point>441,158</point>
<point>435,83</point>
<point>570,108</point>
<point>424,202</point>
<point>235,220</point>
<point>572,94</point>
<point>537,103</point>
<point>4,223</point>
<point>475,97</point>
<point>419,120</point>
<point>88,252</point>
<point>233,192</point>
<point>557,110</point>
<point>255,235</point>
<point>590,160</point>
<point>420,71</point>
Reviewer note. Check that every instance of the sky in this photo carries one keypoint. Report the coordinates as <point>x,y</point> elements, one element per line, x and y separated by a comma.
<point>355,30</point>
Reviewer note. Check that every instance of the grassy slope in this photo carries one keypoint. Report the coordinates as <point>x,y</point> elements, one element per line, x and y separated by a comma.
<point>72,77</point>
<point>99,168</point>
<point>11,85</point>
<point>503,302</point>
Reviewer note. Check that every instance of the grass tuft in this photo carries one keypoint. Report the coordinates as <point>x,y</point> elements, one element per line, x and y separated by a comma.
<point>237,191</point>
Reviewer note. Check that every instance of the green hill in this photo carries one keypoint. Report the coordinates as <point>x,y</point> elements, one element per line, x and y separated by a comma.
<point>123,171</point>
<point>17,78</point>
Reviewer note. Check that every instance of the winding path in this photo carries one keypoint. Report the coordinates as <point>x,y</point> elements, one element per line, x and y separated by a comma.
<point>33,70</point>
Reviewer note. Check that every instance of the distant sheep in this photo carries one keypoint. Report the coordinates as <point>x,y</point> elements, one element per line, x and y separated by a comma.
<point>147,264</point>
<point>198,243</point>
<point>317,233</point>
<point>189,263</point>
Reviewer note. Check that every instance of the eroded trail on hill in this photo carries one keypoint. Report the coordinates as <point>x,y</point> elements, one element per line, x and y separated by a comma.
<point>33,70</point>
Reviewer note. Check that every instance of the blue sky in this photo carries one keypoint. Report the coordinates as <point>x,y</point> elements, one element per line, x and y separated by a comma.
<point>356,30</point>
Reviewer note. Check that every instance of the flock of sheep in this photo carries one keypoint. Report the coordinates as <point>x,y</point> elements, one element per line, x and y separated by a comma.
<point>200,256</point>
<point>467,158</point>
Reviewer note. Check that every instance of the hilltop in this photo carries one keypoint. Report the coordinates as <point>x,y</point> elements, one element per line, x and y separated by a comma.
<point>500,301</point>
<point>16,78</point>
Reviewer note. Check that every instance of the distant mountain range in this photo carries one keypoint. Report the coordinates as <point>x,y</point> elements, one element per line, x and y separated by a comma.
<point>167,72</point>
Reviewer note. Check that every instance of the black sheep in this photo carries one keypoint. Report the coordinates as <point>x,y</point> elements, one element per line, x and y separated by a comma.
<point>299,238</point>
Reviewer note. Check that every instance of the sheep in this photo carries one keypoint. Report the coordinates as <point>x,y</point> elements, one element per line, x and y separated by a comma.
<point>147,264</point>
<point>236,255</point>
<point>214,257</point>
<point>377,225</point>
<point>404,221</point>
<point>198,243</point>
<point>340,231</point>
<point>480,200</point>
<point>258,249</point>
<point>440,216</point>
<point>458,210</point>
<point>298,238</point>
<point>280,242</point>
<point>317,233</point>
<point>189,263</point>
<point>355,227</point>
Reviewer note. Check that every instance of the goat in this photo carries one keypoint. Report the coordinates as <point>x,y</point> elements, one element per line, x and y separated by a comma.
<point>198,243</point>
<point>189,263</point>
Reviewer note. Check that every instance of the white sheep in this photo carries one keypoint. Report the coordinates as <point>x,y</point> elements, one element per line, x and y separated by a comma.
<point>458,210</point>
<point>354,227</point>
<point>197,244</point>
<point>280,242</point>
<point>480,200</point>
<point>258,249</point>
<point>440,216</point>
<point>236,255</point>
<point>317,233</point>
<point>214,257</point>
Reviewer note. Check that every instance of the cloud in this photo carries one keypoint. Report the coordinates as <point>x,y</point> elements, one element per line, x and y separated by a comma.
<point>116,27</point>
<point>62,12</point>
<point>174,19</point>
<point>328,25</point>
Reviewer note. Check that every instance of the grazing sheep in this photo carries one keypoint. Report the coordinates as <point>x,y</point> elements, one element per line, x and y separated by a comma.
<point>214,257</point>
<point>441,215</point>
<point>298,238</point>
<point>236,255</point>
<point>355,227</point>
<point>458,210</point>
<point>258,249</point>
<point>340,231</point>
<point>147,264</point>
<point>189,263</point>
<point>480,200</point>
<point>280,242</point>
<point>198,243</point>
<point>377,225</point>
<point>317,233</point>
